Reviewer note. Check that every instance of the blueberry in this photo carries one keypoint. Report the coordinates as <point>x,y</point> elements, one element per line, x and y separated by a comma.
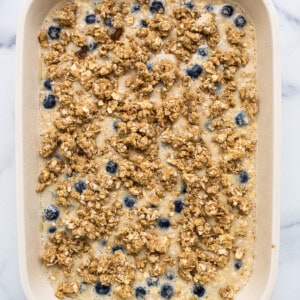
<point>102,289</point>
<point>190,5</point>
<point>140,292</point>
<point>243,177</point>
<point>183,189</point>
<point>111,167</point>
<point>152,281</point>
<point>227,11</point>
<point>48,84</point>
<point>241,120</point>
<point>91,19</point>
<point>170,275</point>
<point>207,125</point>
<point>116,248</point>
<point>240,21</point>
<point>195,71</point>
<point>199,290</point>
<point>144,23</point>
<point>238,265</point>
<point>135,7</point>
<point>52,229</point>
<point>49,101</point>
<point>129,201</point>
<point>51,213</point>
<point>209,8</point>
<point>108,22</point>
<point>116,124</point>
<point>54,32</point>
<point>80,186</point>
<point>178,205</point>
<point>203,51</point>
<point>103,243</point>
<point>93,46</point>
<point>163,223</point>
<point>167,291</point>
<point>156,7</point>
<point>149,66</point>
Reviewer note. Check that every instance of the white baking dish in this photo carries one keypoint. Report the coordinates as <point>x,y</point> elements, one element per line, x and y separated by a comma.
<point>261,283</point>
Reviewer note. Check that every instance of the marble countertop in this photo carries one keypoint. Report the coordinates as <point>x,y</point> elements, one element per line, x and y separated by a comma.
<point>287,286</point>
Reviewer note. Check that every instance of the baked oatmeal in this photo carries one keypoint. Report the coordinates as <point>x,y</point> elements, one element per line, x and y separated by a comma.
<point>148,144</point>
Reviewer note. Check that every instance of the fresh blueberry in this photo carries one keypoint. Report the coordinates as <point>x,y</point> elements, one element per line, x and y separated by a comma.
<point>190,5</point>
<point>108,22</point>
<point>135,7</point>
<point>149,66</point>
<point>207,125</point>
<point>52,229</point>
<point>152,281</point>
<point>195,71</point>
<point>93,46</point>
<point>144,23</point>
<point>51,213</point>
<point>48,84</point>
<point>183,189</point>
<point>116,124</point>
<point>203,51</point>
<point>178,205</point>
<point>140,292</point>
<point>238,265</point>
<point>156,7</point>
<point>116,248</point>
<point>80,186</point>
<point>163,223</point>
<point>227,11</point>
<point>241,119</point>
<point>91,19</point>
<point>129,201</point>
<point>209,8</point>
<point>49,101</point>
<point>167,291</point>
<point>54,32</point>
<point>102,289</point>
<point>199,290</point>
<point>170,275</point>
<point>243,177</point>
<point>111,167</point>
<point>240,21</point>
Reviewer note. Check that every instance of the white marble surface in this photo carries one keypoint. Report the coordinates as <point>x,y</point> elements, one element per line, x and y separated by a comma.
<point>288,286</point>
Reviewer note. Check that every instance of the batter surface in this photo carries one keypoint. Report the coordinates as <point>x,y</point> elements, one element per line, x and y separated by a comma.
<point>148,147</point>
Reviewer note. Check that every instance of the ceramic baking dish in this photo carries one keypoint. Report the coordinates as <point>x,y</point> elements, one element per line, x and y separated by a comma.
<point>261,283</point>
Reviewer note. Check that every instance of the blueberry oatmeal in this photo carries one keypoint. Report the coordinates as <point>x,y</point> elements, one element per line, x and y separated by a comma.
<point>148,144</point>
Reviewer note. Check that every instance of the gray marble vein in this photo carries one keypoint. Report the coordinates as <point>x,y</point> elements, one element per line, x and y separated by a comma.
<point>289,17</point>
<point>10,43</point>
<point>289,90</point>
<point>290,225</point>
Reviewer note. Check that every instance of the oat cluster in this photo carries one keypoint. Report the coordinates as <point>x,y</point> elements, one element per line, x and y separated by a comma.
<point>159,147</point>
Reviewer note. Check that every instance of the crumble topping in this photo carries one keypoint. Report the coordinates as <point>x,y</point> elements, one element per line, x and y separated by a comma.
<point>148,140</point>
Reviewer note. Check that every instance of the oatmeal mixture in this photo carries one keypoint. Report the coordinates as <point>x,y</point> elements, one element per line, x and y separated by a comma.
<point>148,144</point>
